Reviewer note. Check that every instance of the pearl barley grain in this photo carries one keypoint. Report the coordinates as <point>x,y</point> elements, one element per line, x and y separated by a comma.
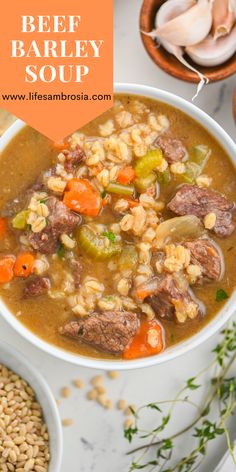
<point>67,422</point>
<point>100,389</point>
<point>210,220</point>
<point>112,374</point>
<point>97,380</point>
<point>128,423</point>
<point>78,383</point>
<point>65,392</point>
<point>108,404</point>
<point>25,444</point>
<point>121,404</point>
<point>92,394</point>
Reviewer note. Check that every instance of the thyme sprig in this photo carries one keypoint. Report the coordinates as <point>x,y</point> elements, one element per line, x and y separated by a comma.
<point>221,390</point>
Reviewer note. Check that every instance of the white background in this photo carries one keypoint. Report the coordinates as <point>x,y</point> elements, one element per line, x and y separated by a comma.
<point>95,442</point>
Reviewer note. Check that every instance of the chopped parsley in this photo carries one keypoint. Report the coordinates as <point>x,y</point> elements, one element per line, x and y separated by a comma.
<point>61,251</point>
<point>103,194</point>
<point>221,295</point>
<point>110,235</point>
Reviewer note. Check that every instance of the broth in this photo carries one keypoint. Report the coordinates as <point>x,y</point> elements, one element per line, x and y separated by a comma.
<point>30,153</point>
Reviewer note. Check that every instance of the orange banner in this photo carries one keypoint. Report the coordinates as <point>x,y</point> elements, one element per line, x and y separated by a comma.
<point>56,62</point>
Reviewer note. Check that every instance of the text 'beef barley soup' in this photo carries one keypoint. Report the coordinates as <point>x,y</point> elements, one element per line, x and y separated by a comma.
<point>120,240</point>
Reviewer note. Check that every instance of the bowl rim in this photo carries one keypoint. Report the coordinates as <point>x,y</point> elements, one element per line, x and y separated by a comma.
<point>210,328</point>
<point>44,395</point>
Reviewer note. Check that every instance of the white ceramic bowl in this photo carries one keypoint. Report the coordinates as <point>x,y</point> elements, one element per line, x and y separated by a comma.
<point>214,325</point>
<point>14,360</point>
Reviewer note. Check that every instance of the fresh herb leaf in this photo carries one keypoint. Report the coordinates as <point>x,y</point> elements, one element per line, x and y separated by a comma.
<point>103,194</point>
<point>154,406</point>
<point>129,433</point>
<point>205,427</point>
<point>61,251</point>
<point>167,444</point>
<point>191,385</point>
<point>221,295</point>
<point>206,411</point>
<point>110,235</point>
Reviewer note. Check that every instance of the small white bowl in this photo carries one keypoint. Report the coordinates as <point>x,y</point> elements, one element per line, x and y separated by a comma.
<point>222,316</point>
<point>14,360</point>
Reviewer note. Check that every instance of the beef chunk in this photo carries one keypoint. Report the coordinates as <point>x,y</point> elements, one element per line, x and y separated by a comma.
<point>40,184</point>
<point>37,286</point>
<point>73,158</point>
<point>169,299</point>
<point>110,331</point>
<point>205,254</point>
<point>173,149</point>
<point>77,269</point>
<point>192,200</point>
<point>60,220</point>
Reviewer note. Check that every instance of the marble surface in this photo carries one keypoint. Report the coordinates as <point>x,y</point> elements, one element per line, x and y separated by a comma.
<point>95,441</point>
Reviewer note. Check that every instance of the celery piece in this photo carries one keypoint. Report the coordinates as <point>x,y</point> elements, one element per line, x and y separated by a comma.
<point>192,172</point>
<point>146,164</point>
<point>95,245</point>
<point>143,183</point>
<point>128,259</point>
<point>120,189</point>
<point>163,177</point>
<point>20,220</point>
<point>199,155</point>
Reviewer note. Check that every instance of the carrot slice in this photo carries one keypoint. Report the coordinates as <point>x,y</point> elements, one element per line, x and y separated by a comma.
<point>147,342</point>
<point>96,169</point>
<point>3,226</point>
<point>105,201</point>
<point>6,268</point>
<point>126,175</point>
<point>142,293</point>
<point>24,264</point>
<point>60,145</point>
<point>82,197</point>
<point>132,203</point>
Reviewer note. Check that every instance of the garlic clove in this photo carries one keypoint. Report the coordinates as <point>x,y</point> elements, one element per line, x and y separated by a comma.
<point>171,9</point>
<point>188,28</point>
<point>213,52</point>
<point>203,80</point>
<point>168,11</point>
<point>223,17</point>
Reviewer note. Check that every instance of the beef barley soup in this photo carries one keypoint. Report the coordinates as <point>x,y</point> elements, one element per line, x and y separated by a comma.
<point>120,240</point>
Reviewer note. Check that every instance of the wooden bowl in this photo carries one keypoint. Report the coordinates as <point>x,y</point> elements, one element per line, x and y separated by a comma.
<point>234,105</point>
<point>167,61</point>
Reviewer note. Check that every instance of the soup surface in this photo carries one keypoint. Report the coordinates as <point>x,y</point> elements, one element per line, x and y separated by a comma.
<point>120,240</point>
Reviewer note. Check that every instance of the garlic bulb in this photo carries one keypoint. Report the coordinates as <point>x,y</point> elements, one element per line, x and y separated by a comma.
<point>190,27</point>
<point>183,26</point>
<point>223,17</point>
<point>212,52</point>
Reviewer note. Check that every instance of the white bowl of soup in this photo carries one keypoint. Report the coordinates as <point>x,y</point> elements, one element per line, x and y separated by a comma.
<point>117,245</point>
<point>35,438</point>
